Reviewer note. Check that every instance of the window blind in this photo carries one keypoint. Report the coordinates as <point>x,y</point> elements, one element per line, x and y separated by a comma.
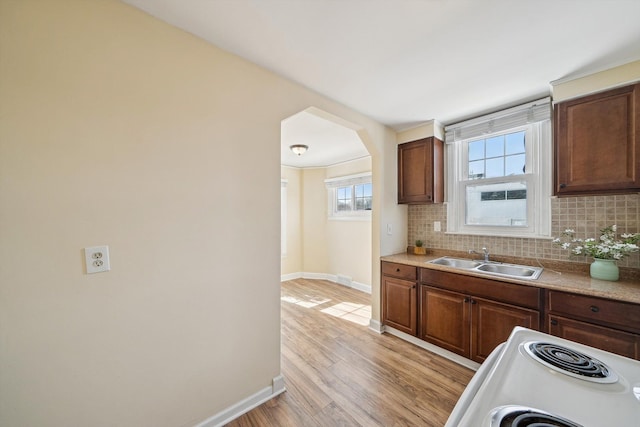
<point>499,121</point>
<point>345,181</point>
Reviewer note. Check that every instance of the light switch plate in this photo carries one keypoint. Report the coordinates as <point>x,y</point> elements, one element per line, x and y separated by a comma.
<point>96,259</point>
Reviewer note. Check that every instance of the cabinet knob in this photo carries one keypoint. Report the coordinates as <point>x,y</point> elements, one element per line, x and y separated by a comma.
<point>563,185</point>
<point>397,270</point>
<point>473,301</point>
<point>413,287</point>
<point>554,322</point>
<point>594,308</point>
<point>466,299</point>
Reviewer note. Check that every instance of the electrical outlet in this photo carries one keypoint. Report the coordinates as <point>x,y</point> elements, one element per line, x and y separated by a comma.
<point>96,259</point>
<point>436,226</point>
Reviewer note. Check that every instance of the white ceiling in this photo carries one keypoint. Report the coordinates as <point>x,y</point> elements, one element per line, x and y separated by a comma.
<point>329,142</point>
<point>403,62</point>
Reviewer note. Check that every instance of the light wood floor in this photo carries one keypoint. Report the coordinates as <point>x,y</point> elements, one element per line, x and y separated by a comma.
<point>339,373</point>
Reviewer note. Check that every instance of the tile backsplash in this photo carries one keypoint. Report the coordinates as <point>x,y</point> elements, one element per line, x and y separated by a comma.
<point>586,215</point>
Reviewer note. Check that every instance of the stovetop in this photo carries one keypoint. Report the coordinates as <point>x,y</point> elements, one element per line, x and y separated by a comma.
<point>517,378</point>
<point>523,416</point>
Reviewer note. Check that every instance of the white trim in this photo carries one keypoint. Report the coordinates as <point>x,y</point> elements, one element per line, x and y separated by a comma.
<point>343,181</point>
<point>519,236</point>
<point>467,363</point>
<point>499,121</point>
<point>332,185</point>
<point>538,176</point>
<point>234,411</point>
<point>364,216</point>
<point>362,287</point>
<point>376,326</point>
<point>290,276</point>
<point>320,276</point>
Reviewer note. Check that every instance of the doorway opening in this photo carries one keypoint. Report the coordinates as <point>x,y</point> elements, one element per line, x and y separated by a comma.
<point>326,200</point>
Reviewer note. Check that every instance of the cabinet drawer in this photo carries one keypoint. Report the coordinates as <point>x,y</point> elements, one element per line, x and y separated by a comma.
<point>400,271</point>
<point>608,339</point>
<point>624,315</point>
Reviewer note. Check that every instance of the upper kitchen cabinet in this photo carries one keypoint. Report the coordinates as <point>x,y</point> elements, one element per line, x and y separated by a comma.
<point>597,143</point>
<point>421,171</point>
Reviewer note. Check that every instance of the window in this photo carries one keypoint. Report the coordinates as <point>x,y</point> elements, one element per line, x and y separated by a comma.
<point>350,196</point>
<point>496,184</point>
<point>500,169</point>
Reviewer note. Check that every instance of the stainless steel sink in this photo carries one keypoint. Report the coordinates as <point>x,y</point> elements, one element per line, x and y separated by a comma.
<point>456,262</point>
<point>499,269</point>
<point>519,271</point>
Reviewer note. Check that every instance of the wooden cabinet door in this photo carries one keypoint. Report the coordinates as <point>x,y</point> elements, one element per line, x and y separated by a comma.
<point>609,339</point>
<point>492,323</point>
<point>444,319</point>
<point>399,304</point>
<point>597,143</point>
<point>421,171</point>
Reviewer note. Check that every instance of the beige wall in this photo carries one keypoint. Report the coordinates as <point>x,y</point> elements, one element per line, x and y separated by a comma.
<point>317,244</point>
<point>570,88</point>
<point>292,262</point>
<point>430,128</point>
<point>349,242</point>
<point>118,129</point>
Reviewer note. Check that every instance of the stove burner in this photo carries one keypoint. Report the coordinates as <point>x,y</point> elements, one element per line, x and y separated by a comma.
<point>571,362</point>
<point>518,416</point>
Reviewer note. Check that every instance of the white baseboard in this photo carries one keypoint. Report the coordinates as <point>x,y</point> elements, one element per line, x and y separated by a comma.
<point>376,326</point>
<point>290,276</point>
<point>361,287</point>
<point>320,276</point>
<point>245,405</point>
<point>335,278</point>
<point>468,363</point>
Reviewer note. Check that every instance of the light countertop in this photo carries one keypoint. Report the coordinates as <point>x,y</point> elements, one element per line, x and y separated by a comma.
<point>579,283</point>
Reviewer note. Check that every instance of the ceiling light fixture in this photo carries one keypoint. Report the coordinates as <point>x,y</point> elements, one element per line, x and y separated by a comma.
<point>299,149</point>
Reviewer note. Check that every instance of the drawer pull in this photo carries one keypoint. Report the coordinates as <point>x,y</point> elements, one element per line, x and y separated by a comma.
<point>397,270</point>
<point>594,308</point>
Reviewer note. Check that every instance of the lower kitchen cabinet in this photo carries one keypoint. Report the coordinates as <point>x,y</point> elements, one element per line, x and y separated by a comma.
<point>468,325</point>
<point>471,316</point>
<point>400,297</point>
<point>597,322</point>
<point>492,322</point>
<point>444,319</point>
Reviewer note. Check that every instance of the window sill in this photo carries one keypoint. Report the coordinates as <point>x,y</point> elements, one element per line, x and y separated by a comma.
<point>490,234</point>
<point>350,218</point>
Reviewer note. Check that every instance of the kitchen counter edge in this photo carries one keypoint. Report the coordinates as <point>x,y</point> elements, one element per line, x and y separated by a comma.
<point>626,291</point>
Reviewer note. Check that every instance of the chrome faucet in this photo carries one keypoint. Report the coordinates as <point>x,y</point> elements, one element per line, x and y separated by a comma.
<point>485,253</point>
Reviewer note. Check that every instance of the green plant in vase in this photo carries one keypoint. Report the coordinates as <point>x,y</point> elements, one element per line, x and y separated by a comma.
<point>605,250</point>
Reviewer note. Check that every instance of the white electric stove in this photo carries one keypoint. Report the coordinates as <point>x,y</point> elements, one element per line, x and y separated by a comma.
<point>535,379</point>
